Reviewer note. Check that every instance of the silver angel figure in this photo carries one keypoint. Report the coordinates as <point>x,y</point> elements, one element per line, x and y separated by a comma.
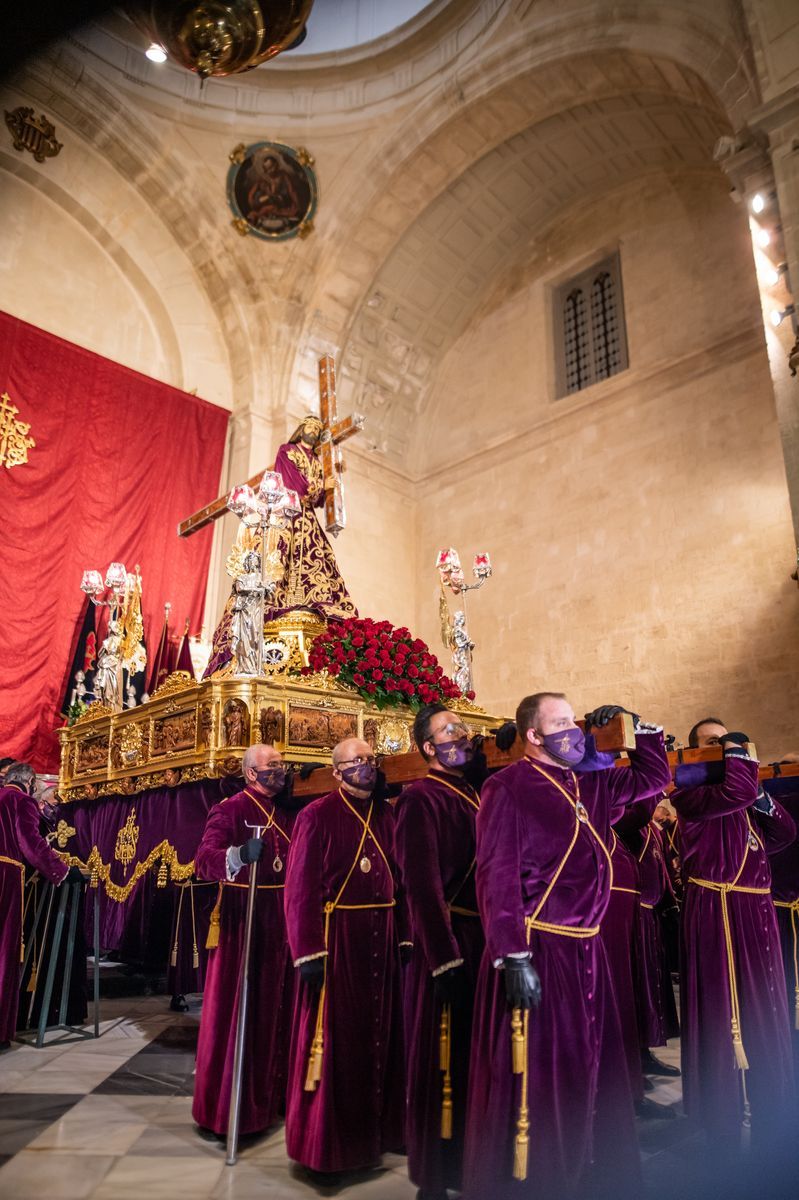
<point>106,676</point>
<point>462,648</point>
<point>248,617</point>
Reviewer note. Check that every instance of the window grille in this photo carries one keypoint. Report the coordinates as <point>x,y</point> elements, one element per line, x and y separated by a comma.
<point>589,326</point>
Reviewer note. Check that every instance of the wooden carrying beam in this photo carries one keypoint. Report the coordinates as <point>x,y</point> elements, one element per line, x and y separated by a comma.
<point>212,511</point>
<point>400,769</point>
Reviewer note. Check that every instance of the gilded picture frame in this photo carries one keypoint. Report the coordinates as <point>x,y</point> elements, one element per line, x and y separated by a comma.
<point>272,191</point>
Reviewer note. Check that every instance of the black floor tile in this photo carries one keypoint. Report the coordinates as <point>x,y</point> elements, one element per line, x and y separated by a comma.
<point>165,1067</point>
<point>39,1106</point>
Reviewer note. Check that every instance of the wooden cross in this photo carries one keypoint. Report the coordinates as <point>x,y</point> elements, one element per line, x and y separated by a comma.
<point>334,432</point>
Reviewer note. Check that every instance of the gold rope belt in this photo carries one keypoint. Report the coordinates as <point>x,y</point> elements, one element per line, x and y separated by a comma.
<point>14,862</point>
<point>462,912</point>
<point>631,891</point>
<point>573,931</point>
<point>649,906</point>
<point>259,887</point>
<point>793,908</point>
<point>723,890</point>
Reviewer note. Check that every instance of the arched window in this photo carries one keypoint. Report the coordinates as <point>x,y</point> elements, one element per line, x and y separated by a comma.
<point>589,325</point>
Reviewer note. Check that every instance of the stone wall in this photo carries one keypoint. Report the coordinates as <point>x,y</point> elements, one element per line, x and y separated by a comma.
<point>640,531</point>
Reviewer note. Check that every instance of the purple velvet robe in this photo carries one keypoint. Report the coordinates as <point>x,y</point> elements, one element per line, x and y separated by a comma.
<point>785,890</point>
<point>657,1010</point>
<point>20,843</point>
<point>582,1133</point>
<point>271,980</point>
<point>196,899</point>
<point>619,933</point>
<point>717,825</point>
<point>357,1108</point>
<point>435,840</point>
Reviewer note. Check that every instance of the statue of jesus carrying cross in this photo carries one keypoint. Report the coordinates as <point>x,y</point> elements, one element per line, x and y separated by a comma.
<point>303,567</point>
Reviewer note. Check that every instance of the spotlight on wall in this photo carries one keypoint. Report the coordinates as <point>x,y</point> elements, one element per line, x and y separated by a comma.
<point>778,315</point>
<point>156,53</point>
<point>763,237</point>
<point>758,202</point>
<point>772,275</point>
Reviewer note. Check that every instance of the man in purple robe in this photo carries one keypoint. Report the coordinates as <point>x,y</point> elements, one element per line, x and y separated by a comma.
<point>619,933</point>
<point>20,843</point>
<point>785,890</point>
<point>346,1093</point>
<point>225,854</point>
<point>435,839</point>
<point>736,1045</point>
<point>550,1107</point>
<point>657,1011</point>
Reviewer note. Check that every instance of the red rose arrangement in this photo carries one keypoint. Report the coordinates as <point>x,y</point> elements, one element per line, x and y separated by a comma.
<point>385,665</point>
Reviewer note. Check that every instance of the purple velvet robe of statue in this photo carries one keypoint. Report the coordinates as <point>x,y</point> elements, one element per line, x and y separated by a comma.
<point>20,843</point>
<point>582,1133</point>
<point>435,839</point>
<point>271,980</point>
<point>785,890</point>
<point>619,933</point>
<point>724,840</point>
<point>657,1010</point>
<point>356,1110</point>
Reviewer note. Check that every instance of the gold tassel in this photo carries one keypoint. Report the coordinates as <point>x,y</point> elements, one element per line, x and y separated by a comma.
<point>195,958</point>
<point>21,950</point>
<point>94,878</point>
<point>796,1011</point>
<point>32,981</point>
<point>212,941</point>
<point>173,958</point>
<point>740,1054</point>
<point>162,875</point>
<point>314,1072</point>
<point>521,1147</point>
<point>518,1051</point>
<point>444,1055</point>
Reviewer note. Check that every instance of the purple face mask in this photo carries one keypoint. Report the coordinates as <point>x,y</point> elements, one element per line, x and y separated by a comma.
<point>360,775</point>
<point>566,747</point>
<point>271,779</point>
<point>454,754</point>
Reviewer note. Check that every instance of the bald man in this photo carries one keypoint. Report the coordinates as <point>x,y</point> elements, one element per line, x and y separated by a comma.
<point>346,1082</point>
<point>225,855</point>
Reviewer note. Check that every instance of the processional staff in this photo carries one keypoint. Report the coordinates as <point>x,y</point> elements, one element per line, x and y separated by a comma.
<point>241,1021</point>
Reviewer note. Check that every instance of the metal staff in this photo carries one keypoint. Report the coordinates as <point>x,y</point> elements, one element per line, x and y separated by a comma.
<point>241,1023</point>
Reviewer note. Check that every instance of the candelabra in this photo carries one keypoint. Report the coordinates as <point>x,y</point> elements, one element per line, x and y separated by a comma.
<point>108,593</point>
<point>454,632</point>
<point>275,506</point>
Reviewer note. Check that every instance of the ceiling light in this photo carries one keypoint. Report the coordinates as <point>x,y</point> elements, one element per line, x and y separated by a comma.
<point>758,202</point>
<point>771,277</point>
<point>156,53</point>
<point>763,237</point>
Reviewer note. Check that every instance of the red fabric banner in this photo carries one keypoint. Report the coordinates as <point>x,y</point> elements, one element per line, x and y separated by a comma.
<point>119,460</point>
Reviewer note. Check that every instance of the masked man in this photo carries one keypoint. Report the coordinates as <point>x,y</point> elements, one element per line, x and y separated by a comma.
<point>550,1106</point>
<point>226,854</point>
<point>20,843</point>
<point>736,1042</point>
<point>436,855</point>
<point>346,1079</point>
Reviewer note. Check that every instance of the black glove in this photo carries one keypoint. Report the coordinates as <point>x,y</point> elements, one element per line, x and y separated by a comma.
<point>739,739</point>
<point>307,769</point>
<point>522,985</point>
<point>251,851</point>
<point>74,875</point>
<point>313,973</point>
<point>605,713</point>
<point>380,790</point>
<point>476,769</point>
<point>505,736</point>
<point>450,985</point>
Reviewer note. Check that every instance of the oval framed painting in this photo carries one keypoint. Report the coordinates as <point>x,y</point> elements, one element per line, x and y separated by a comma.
<point>272,191</point>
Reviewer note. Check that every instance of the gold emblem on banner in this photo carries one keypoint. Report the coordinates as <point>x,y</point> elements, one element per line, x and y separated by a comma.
<point>127,840</point>
<point>14,440</point>
<point>29,132</point>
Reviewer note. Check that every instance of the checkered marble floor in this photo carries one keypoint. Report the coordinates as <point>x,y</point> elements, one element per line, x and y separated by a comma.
<point>111,1120</point>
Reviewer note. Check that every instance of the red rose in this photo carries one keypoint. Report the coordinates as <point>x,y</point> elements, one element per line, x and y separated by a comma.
<point>371,688</point>
<point>358,639</point>
<point>358,679</point>
<point>470,695</point>
<point>413,671</point>
<point>377,673</point>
